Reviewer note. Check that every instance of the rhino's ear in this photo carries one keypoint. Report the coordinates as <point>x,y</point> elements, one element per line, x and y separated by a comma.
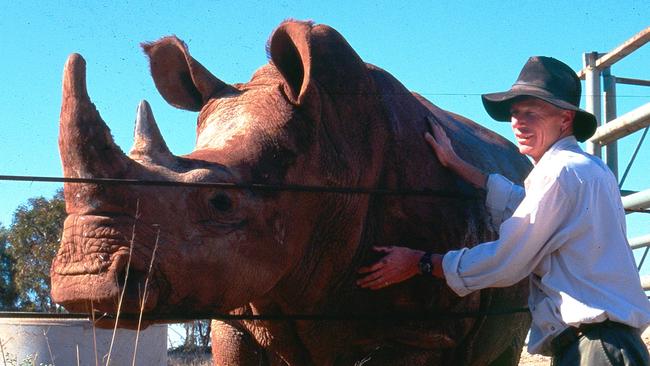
<point>180,79</point>
<point>289,49</point>
<point>305,53</point>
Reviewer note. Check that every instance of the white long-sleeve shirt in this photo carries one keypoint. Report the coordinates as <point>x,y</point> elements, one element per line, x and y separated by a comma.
<point>567,233</point>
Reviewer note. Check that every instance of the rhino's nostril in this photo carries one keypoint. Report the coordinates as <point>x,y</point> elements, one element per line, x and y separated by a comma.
<point>121,278</point>
<point>131,282</point>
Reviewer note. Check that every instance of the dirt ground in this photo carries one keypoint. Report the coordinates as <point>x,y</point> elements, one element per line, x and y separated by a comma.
<point>536,360</point>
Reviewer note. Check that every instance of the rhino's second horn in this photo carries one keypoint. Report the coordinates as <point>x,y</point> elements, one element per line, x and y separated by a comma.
<point>148,143</point>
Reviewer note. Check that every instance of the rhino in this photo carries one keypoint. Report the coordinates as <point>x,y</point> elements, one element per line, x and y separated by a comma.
<point>315,116</point>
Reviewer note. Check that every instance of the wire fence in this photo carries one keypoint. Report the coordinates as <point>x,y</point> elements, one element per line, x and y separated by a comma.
<point>393,316</point>
<point>177,318</point>
<point>252,186</point>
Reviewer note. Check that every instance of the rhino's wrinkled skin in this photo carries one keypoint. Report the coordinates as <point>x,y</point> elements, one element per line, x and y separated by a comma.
<point>315,115</point>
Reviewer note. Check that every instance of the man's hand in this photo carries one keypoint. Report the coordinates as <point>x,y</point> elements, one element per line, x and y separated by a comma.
<point>441,145</point>
<point>398,265</point>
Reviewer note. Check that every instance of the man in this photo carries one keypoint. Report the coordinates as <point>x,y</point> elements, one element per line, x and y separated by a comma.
<point>565,231</point>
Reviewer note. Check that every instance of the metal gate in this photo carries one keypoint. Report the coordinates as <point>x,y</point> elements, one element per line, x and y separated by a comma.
<point>600,90</point>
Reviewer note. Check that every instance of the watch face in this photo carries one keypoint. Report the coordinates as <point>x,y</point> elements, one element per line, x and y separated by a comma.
<point>425,268</point>
<point>425,265</point>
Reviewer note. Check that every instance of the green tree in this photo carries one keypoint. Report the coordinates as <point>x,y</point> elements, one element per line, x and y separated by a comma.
<point>8,296</point>
<point>34,238</point>
<point>197,336</point>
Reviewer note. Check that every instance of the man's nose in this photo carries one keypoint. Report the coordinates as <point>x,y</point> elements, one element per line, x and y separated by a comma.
<point>516,122</point>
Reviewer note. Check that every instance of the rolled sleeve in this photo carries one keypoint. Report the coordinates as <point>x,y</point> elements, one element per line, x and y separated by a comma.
<point>534,230</point>
<point>503,197</point>
<point>450,268</point>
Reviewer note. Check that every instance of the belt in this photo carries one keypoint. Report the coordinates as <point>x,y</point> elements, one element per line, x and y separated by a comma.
<point>572,334</point>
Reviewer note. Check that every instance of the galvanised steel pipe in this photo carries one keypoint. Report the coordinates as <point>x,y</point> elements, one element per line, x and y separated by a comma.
<point>621,51</point>
<point>637,201</point>
<point>640,241</point>
<point>622,126</point>
<point>609,110</point>
<point>645,282</point>
<point>592,96</point>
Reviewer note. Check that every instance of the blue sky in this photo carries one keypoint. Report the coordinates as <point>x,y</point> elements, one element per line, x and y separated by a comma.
<point>450,52</point>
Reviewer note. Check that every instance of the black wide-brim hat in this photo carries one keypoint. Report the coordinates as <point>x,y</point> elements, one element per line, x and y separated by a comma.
<point>550,80</point>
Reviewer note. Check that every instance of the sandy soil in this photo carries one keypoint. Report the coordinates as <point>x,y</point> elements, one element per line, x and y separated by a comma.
<point>536,360</point>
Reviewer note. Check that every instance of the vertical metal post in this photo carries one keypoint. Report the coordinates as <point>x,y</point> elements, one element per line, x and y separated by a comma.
<point>609,110</point>
<point>592,94</point>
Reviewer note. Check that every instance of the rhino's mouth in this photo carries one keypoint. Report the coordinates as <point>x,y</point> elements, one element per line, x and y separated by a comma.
<point>101,266</point>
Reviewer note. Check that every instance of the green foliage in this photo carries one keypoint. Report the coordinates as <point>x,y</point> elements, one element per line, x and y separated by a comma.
<point>196,338</point>
<point>33,240</point>
<point>11,360</point>
<point>8,295</point>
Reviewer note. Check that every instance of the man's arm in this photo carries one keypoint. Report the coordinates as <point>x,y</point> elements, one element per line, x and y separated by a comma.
<point>538,227</point>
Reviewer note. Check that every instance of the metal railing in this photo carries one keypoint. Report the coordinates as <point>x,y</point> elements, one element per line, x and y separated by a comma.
<point>597,66</point>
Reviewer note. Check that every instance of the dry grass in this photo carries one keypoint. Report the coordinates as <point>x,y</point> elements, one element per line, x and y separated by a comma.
<point>188,359</point>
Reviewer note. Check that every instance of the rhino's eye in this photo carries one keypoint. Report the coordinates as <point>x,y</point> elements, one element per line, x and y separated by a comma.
<point>221,202</point>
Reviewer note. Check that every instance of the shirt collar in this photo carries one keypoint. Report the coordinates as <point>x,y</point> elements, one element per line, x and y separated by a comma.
<point>565,143</point>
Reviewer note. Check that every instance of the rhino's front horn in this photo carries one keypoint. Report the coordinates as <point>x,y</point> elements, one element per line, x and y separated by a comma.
<point>85,142</point>
<point>148,143</point>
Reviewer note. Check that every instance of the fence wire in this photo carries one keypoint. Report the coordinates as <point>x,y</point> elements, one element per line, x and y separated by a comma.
<point>262,317</point>
<point>251,186</point>
<point>386,317</point>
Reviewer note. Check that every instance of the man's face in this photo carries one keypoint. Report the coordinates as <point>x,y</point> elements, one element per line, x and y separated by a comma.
<point>537,125</point>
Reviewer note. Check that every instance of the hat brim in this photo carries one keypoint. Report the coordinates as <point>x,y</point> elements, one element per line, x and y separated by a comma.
<point>498,107</point>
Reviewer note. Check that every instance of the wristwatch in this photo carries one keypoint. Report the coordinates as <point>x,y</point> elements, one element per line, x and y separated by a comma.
<point>425,265</point>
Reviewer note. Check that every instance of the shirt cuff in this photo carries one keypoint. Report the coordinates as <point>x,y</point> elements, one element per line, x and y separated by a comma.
<point>450,268</point>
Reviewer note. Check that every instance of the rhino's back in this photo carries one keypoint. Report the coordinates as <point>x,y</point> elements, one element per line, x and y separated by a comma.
<point>406,116</point>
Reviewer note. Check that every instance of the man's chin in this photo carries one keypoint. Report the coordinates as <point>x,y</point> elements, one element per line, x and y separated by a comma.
<point>528,151</point>
<point>524,149</point>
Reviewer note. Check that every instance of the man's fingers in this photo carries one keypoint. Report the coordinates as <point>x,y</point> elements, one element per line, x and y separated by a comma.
<point>432,122</point>
<point>374,284</point>
<point>438,132</point>
<point>382,249</point>
<point>371,280</point>
<point>374,267</point>
<point>440,135</point>
<point>379,264</point>
<point>369,269</point>
<point>430,140</point>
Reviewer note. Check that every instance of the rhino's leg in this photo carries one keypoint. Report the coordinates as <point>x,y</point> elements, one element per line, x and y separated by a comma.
<point>482,347</point>
<point>233,346</point>
<point>509,357</point>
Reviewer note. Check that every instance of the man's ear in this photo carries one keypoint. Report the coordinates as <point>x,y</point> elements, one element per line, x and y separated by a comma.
<point>567,122</point>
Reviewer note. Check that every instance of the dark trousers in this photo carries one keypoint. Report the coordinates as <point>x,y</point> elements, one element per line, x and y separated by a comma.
<point>608,343</point>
